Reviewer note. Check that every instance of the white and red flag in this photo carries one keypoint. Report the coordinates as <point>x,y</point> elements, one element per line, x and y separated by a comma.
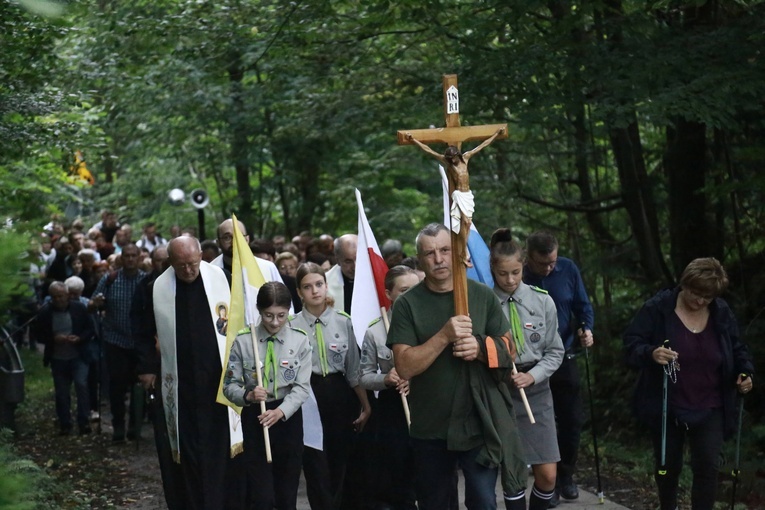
<point>369,300</point>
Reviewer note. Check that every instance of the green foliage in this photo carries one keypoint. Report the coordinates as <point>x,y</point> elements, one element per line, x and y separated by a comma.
<point>14,269</point>
<point>23,484</point>
<point>16,491</point>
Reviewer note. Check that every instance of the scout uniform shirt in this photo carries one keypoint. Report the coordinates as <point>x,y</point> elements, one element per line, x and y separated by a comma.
<point>374,354</point>
<point>542,346</point>
<point>288,380</point>
<point>340,353</point>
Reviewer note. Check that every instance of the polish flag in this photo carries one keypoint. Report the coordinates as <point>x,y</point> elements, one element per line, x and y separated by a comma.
<point>369,300</point>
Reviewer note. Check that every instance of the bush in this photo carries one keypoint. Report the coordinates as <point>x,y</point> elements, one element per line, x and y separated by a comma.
<point>17,477</point>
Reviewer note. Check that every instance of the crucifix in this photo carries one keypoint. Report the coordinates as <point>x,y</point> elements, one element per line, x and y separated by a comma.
<point>456,164</point>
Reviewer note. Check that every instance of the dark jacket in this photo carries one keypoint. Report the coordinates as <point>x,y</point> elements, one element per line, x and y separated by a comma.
<point>650,328</point>
<point>82,326</point>
<point>482,414</point>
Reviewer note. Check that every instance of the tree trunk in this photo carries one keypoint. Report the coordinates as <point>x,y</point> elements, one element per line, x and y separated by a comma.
<point>581,161</point>
<point>686,164</point>
<point>638,199</point>
<point>239,145</point>
<point>633,177</point>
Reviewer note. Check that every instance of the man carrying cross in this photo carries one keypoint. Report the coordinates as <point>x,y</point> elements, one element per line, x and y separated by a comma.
<point>451,339</point>
<point>460,414</point>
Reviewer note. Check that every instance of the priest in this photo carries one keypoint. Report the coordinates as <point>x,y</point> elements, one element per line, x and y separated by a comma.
<point>204,435</point>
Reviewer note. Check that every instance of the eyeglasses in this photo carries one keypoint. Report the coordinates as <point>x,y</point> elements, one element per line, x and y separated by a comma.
<point>543,263</point>
<point>269,317</point>
<point>185,267</point>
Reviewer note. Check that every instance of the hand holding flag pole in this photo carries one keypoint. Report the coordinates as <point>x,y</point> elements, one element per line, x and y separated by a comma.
<point>251,320</point>
<point>259,372</point>
<point>524,399</point>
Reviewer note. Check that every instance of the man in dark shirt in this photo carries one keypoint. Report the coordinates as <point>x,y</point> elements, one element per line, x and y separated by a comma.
<point>114,293</point>
<point>560,277</point>
<point>460,415</point>
<point>66,328</point>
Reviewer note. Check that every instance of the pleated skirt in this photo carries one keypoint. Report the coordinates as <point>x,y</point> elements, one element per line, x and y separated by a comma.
<point>539,440</point>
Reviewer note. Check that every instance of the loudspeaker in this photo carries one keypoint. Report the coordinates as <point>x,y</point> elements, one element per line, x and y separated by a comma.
<point>199,198</point>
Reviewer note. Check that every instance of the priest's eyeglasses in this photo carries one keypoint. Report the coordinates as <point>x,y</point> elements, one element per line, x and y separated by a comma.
<point>186,267</point>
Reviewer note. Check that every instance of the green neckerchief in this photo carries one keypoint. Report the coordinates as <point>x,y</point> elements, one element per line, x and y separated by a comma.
<point>515,327</point>
<point>322,349</point>
<point>270,363</point>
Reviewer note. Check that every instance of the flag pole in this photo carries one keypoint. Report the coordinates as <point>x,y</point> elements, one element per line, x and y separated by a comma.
<point>259,372</point>
<point>525,400</point>
<point>404,400</point>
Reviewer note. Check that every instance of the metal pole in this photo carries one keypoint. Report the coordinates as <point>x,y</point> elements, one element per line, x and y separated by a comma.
<point>201,224</point>
<point>663,467</point>
<point>601,497</point>
<point>736,469</point>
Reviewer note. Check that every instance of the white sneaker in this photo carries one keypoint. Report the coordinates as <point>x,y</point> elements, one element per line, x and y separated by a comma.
<point>94,416</point>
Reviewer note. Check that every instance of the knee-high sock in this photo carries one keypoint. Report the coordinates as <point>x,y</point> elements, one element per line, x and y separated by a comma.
<point>515,501</point>
<point>539,500</point>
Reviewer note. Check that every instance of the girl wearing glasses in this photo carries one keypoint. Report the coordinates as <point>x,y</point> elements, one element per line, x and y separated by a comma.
<point>285,356</point>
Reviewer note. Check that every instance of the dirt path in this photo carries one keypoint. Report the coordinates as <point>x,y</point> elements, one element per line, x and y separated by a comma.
<point>106,476</point>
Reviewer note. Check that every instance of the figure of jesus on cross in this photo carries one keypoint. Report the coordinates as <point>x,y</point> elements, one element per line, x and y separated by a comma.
<point>456,163</point>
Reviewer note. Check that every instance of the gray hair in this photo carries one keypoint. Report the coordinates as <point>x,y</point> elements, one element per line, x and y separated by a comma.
<point>57,285</point>
<point>341,241</point>
<point>391,246</point>
<point>74,284</point>
<point>86,252</point>
<point>173,242</point>
<point>430,230</point>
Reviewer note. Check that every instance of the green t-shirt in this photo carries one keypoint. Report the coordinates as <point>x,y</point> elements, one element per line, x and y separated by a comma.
<point>417,316</point>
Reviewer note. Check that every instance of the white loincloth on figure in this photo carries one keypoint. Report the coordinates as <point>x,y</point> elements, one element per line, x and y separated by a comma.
<point>462,204</point>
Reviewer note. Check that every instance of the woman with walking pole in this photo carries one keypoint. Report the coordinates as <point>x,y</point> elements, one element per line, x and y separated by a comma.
<point>691,327</point>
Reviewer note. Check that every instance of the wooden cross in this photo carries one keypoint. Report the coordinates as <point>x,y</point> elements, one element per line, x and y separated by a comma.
<point>454,134</point>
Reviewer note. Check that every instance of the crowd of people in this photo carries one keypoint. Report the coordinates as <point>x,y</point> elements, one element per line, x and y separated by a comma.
<point>385,424</point>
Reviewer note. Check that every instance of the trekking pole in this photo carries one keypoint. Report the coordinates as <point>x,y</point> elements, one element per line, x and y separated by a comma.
<point>99,368</point>
<point>736,471</point>
<point>663,465</point>
<point>601,497</point>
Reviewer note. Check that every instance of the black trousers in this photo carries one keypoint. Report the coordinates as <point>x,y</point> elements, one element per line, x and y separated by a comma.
<point>705,441</point>
<point>272,485</point>
<point>210,478</point>
<point>121,364</point>
<point>569,415</point>
<point>172,485</point>
<point>324,471</point>
<point>390,464</point>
